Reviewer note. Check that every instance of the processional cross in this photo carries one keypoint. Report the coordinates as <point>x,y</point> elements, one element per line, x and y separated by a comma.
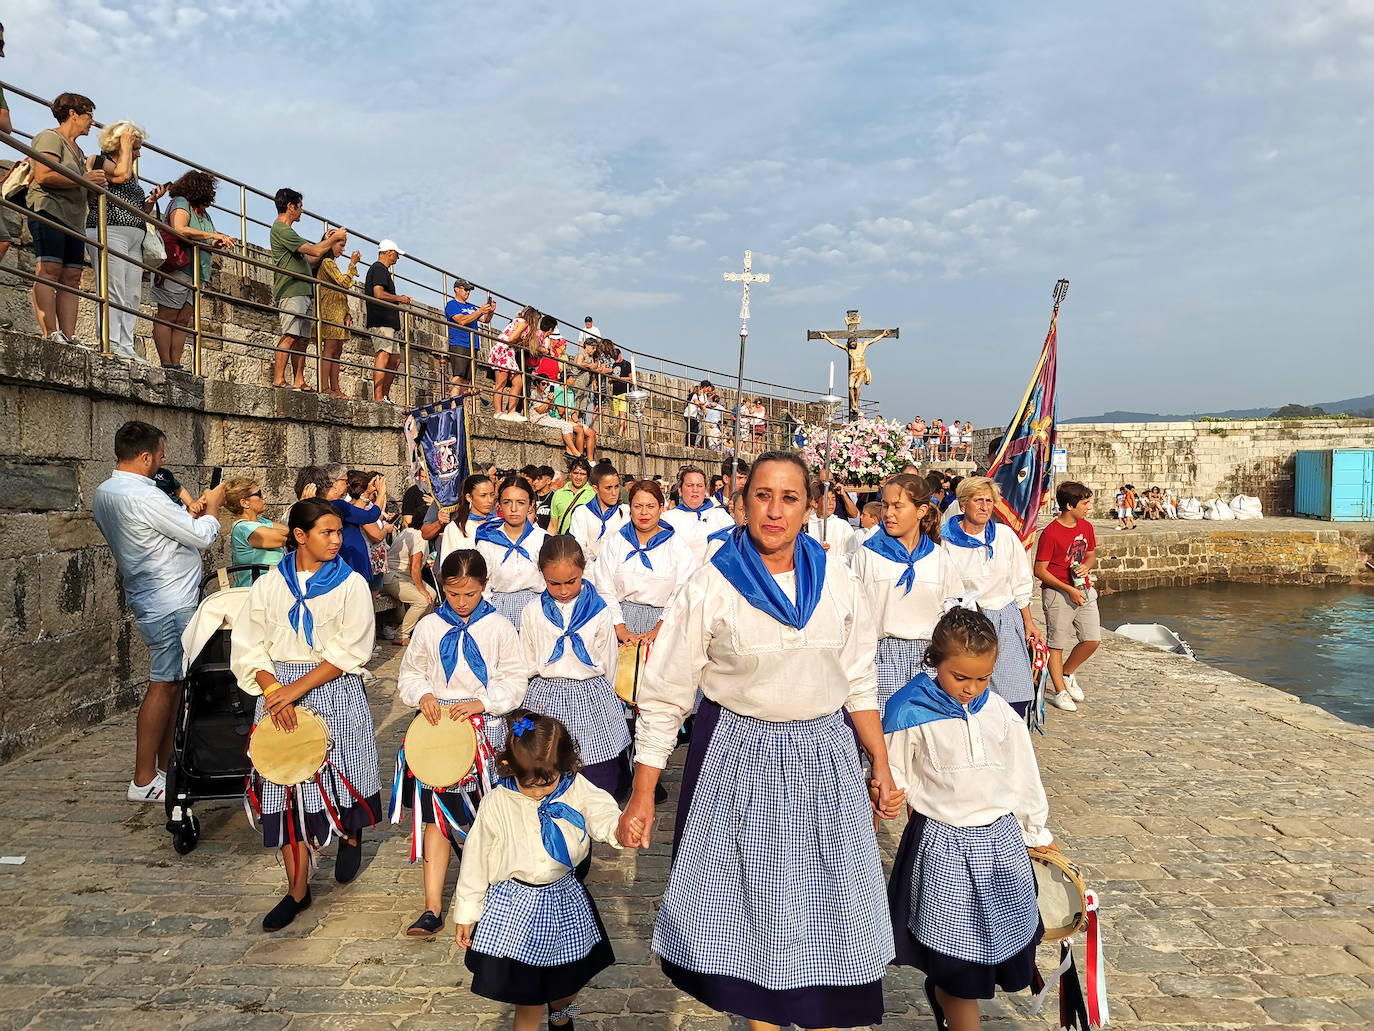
<point>746,277</point>
<point>854,343</point>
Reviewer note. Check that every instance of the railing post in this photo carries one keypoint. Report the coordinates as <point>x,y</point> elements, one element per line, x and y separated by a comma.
<point>243,231</point>
<point>103,273</point>
<point>319,337</point>
<point>405,353</point>
<point>196,347</point>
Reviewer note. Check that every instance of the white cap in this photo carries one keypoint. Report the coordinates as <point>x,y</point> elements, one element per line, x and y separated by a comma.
<point>388,245</point>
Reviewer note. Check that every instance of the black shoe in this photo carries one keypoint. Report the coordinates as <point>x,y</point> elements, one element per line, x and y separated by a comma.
<point>936,1010</point>
<point>284,912</point>
<point>426,927</point>
<point>572,1011</point>
<point>349,859</point>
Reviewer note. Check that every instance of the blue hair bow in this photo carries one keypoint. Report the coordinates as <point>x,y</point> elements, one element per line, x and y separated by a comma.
<point>521,725</point>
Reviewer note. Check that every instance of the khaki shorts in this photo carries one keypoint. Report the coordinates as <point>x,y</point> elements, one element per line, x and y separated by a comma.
<point>1067,624</point>
<point>384,339</point>
<point>292,313</point>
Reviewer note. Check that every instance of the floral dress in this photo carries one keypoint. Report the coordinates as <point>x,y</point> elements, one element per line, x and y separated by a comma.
<point>502,353</point>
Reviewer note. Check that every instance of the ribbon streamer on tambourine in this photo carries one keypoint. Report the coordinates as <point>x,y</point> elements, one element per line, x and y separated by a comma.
<point>1074,1010</point>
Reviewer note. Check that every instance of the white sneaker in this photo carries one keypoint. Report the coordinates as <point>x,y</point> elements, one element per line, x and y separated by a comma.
<point>57,337</point>
<point>389,632</point>
<point>1071,685</point>
<point>1061,700</point>
<point>150,792</point>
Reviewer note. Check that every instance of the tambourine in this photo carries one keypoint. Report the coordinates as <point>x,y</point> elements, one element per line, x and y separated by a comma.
<point>440,755</point>
<point>288,758</point>
<point>1063,904</point>
<point>628,671</point>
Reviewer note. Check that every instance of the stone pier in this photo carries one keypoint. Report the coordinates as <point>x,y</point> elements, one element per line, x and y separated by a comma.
<point>1226,825</point>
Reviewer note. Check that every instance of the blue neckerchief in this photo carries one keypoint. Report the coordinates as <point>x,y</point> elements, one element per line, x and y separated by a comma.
<point>491,517</point>
<point>956,535</point>
<point>324,580</point>
<point>594,507</point>
<point>739,562</point>
<point>924,701</point>
<point>719,497</point>
<point>721,534</point>
<point>708,503</point>
<point>549,810</point>
<point>585,609</point>
<point>630,534</point>
<point>890,547</point>
<point>461,635</point>
<point>494,533</point>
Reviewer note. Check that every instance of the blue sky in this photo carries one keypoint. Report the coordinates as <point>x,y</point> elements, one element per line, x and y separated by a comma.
<point>1200,171</point>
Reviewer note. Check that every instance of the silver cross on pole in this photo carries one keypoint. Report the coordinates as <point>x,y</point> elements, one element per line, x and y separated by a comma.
<point>746,277</point>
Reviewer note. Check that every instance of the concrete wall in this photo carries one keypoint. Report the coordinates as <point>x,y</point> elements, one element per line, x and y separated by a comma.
<point>1199,459</point>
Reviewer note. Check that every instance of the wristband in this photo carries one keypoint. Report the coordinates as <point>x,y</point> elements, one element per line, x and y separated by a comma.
<point>274,686</point>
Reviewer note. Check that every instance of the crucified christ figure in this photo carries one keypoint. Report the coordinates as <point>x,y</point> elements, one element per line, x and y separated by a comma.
<point>859,373</point>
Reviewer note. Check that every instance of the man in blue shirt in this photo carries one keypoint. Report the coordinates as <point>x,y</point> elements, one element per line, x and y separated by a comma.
<point>463,343</point>
<point>157,545</point>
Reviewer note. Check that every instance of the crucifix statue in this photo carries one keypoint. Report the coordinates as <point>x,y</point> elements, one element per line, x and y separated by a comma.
<point>854,342</point>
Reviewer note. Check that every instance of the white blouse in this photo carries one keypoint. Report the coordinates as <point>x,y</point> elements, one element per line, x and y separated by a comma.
<point>515,573</point>
<point>422,671</point>
<point>586,528</point>
<point>899,614</point>
<point>345,625</point>
<point>1004,578</point>
<point>748,662</point>
<point>620,576</point>
<point>505,842</point>
<point>968,773</point>
<point>839,535</point>
<point>694,531</point>
<point>457,536</point>
<point>538,636</point>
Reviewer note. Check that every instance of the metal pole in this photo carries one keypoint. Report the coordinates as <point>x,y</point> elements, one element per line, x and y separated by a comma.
<point>243,230</point>
<point>195,309</point>
<point>739,402</point>
<point>405,346</point>
<point>319,337</point>
<point>103,275</point>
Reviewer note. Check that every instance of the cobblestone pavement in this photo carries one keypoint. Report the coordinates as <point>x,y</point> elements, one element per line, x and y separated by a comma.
<point>1227,826</point>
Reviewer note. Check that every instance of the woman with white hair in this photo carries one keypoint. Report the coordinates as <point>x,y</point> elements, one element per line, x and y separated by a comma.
<point>991,562</point>
<point>120,143</point>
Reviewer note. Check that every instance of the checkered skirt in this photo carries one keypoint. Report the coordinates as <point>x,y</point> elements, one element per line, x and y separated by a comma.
<point>777,879</point>
<point>973,891</point>
<point>1011,677</point>
<point>512,603</point>
<point>544,925</point>
<point>342,704</point>
<point>898,661</point>
<point>590,709</point>
<point>640,619</point>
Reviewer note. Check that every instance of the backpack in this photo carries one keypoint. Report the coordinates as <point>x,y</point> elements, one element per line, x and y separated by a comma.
<point>16,186</point>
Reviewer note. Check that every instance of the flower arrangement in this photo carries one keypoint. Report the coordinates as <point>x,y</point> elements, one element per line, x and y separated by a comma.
<point>862,453</point>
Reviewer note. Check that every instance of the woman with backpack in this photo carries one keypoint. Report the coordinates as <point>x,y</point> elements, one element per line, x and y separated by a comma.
<point>189,215</point>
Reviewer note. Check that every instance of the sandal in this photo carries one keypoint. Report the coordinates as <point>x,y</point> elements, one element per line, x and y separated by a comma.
<point>564,1018</point>
<point>426,927</point>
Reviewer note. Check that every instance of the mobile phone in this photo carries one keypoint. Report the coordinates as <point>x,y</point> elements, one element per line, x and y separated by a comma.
<point>216,476</point>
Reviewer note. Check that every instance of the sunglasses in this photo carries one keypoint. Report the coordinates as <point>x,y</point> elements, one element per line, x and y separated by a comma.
<point>256,494</point>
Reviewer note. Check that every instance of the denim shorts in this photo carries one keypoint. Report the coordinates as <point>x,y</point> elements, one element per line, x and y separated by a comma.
<point>163,637</point>
<point>54,247</point>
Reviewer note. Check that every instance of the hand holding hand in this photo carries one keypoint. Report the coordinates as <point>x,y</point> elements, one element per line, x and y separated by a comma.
<point>633,830</point>
<point>464,935</point>
<point>889,800</point>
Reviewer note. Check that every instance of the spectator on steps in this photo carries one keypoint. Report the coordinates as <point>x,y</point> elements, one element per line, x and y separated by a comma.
<point>463,344</point>
<point>518,336</point>
<point>189,214</point>
<point>335,318</point>
<point>383,320</point>
<point>6,126</point>
<point>293,286</point>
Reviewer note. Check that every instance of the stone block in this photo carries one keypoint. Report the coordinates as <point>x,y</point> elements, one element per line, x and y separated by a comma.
<point>24,534</point>
<point>37,486</point>
<point>66,590</point>
<point>69,531</point>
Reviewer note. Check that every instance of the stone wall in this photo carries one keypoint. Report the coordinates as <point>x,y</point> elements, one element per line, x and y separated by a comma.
<point>1198,459</point>
<point>70,651</point>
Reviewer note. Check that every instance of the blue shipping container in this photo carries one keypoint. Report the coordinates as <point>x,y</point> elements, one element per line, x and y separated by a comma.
<point>1336,485</point>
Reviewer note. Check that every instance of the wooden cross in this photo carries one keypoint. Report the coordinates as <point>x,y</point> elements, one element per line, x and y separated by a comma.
<point>746,277</point>
<point>854,342</point>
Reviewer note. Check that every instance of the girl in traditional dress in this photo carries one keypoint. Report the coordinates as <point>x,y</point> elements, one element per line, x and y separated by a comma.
<point>907,577</point>
<point>539,938</point>
<point>825,525</point>
<point>641,567</point>
<point>511,547</point>
<point>305,632</point>
<point>477,506</point>
<point>774,908</point>
<point>962,892</point>
<point>464,660</point>
<point>601,517</point>
<point>571,648</point>
<point>992,563</point>
<point>696,516</point>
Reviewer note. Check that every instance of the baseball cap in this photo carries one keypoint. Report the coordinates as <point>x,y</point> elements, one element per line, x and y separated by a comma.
<point>586,318</point>
<point>388,245</point>
<point>462,284</point>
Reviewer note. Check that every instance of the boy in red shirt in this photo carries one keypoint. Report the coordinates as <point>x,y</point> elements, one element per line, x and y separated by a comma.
<point>1064,555</point>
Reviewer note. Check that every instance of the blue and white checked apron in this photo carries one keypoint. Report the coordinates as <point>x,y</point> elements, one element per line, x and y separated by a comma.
<point>1011,676</point>
<point>640,619</point>
<point>898,660</point>
<point>777,878</point>
<point>542,925</point>
<point>973,891</point>
<point>512,603</point>
<point>590,709</point>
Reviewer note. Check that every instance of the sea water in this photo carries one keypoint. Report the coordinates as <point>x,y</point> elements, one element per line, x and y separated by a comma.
<point>1314,642</point>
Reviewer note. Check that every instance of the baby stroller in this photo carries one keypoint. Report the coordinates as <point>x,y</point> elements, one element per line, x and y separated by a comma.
<point>210,744</point>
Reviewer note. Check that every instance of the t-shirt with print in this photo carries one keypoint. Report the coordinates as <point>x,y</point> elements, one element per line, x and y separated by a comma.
<point>1061,545</point>
<point>286,255</point>
<point>379,316</point>
<point>620,367</point>
<point>458,336</point>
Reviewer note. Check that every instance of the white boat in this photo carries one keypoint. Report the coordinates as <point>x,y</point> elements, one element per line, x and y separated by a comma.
<point>1158,635</point>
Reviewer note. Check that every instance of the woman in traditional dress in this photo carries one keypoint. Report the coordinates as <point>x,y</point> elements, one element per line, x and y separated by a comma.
<point>478,506</point>
<point>775,908</point>
<point>305,632</point>
<point>511,548</point>
<point>992,562</point>
<point>696,516</point>
<point>601,517</point>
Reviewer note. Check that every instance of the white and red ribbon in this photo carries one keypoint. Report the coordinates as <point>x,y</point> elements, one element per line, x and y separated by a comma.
<point>1098,1014</point>
<point>1065,976</point>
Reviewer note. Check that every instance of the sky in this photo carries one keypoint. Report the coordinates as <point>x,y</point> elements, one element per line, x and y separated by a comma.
<point>1200,171</point>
